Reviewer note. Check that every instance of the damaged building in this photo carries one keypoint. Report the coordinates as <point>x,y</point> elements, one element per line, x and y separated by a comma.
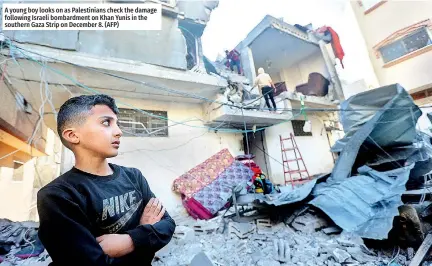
<point>171,102</point>
<point>299,186</point>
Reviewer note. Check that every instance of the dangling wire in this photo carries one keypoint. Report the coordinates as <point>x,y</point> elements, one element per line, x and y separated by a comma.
<point>302,108</point>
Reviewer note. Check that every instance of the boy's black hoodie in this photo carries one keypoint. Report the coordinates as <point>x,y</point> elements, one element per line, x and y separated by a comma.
<point>77,207</point>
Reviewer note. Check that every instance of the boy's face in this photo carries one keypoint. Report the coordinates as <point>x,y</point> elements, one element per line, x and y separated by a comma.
<point>100,133</point>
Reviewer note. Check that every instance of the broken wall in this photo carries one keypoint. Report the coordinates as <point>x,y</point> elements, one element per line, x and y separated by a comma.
<point>247,64</point>
<point>19,119</point>
<point>314,149</point>
<point>199,10</point>
<point>166,47</point>
<point>299,72</point>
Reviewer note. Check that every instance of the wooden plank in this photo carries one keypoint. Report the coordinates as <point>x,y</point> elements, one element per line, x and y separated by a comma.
<point>422,251</point>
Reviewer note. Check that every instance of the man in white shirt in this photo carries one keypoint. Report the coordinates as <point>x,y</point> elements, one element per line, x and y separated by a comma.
<point>266,87</point>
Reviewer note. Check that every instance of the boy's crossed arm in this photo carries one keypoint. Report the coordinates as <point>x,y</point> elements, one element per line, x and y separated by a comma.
<point>65,232</point>
<point>119,245</point>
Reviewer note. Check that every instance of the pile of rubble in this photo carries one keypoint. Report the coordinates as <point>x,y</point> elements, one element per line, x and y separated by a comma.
<point>308,240</point>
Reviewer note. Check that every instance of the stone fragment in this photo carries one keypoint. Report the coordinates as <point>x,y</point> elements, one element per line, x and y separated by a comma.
<point>349,240</point>
<point>184,235</point>
<point>410,254</point>
<point>241,230</point>
<point>205,227</point>
<point>340,255</point>
<point>308,223</point>
<point>332,230</point>
<point>281,250</point>
<point>268,262</point>
<point>401,259</point>
<point>359,255</point>
<point>201,259</point>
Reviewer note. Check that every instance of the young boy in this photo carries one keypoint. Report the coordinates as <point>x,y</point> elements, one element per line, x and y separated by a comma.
<point>99,213</point>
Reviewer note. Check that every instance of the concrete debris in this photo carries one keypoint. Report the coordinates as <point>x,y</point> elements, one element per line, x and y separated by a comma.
<point>332,230</point>
<point>201,259</point>
<point>268,262</point>
<point>282,250</point>
<point>358,254</point>
<point>184,234</point>
<point>410,252</point>
<point>308,223</point>
<point>264,226</point>
<point>245,244</point>
<point>349,240</point>
<point>205,227</point>
<point>241,230</point>
<point>340,255</point>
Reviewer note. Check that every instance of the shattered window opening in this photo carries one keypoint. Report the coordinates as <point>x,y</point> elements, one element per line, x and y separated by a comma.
<point>136,124</point>
<point>298,128</point>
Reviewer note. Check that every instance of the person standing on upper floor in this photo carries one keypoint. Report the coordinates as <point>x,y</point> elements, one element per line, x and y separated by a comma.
<point>233,58</point>
<point>266,87</point>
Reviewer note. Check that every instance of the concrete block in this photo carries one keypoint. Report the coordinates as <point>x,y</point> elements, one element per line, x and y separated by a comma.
<point>263,222</point>
<point>201,259</point>
<point>282,250</point>
<point>264,226</point>
<point>205,227</point>
<point>241,230</point>
<point>341,255</point>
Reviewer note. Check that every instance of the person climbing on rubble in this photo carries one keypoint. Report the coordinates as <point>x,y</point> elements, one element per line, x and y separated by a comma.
<point>233,59</point>
<point>266,87</point>
<point>99,213</point>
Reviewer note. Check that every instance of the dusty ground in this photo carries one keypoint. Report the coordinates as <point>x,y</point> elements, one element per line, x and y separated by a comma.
<point>263,245</point>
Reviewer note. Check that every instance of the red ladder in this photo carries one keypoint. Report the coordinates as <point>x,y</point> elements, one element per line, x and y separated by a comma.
<point>301,174</point>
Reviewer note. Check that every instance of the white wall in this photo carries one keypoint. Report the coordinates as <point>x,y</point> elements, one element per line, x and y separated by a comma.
<point>299,73</point>
<point>391,17</point>
<point>16,196</point>
<point>424,123</point>
<point>354,88</point>
<point>315,150</point>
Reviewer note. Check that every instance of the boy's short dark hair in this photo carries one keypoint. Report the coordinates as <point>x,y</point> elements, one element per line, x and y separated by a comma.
<point>76,109</point>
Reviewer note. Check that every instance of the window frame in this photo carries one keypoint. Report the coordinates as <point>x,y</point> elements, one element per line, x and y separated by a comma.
<point>407,55</point>
<point>132,120</point>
